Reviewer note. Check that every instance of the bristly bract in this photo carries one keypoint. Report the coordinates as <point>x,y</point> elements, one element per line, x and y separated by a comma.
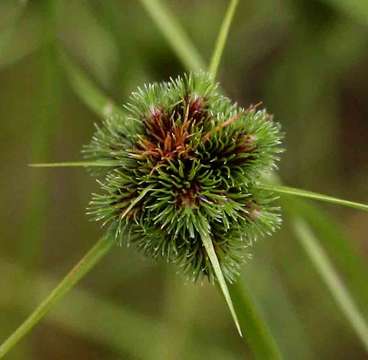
<point>185,155</point>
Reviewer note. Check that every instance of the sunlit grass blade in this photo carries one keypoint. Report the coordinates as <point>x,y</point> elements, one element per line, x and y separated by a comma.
<point>86,89</point>
<point>349,261</point>
<point>312,195</point>
<point>258,336</point>
<point>82,268</point>
<point>75,164</point>
<point>174,34</point>
<point>207,243</point>
<point>113,325</point>
<point>331,278</point>
<point>222,37</point>
<point>108,325</point>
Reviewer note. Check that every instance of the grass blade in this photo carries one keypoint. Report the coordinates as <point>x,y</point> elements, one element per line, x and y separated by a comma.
<point>331,279</point>
<point>312,195</point>
<point>222,37</point>
<point>258,336</point>
<point>207,243</point>
<point>347,258</point>
<point>291,340</point>
<point>109,323</point>
<point>174,34</point>
<point>82,268</point>
<point>87,91</point>
<point>75,164</point>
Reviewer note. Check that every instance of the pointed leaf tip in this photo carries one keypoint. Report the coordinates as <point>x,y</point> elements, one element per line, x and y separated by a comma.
<point>207,243</point>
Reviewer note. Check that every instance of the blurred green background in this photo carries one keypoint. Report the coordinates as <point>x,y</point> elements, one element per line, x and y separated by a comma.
<point>305,59</point>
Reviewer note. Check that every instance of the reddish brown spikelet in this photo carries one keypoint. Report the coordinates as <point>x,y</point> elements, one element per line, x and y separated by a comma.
<point>167,138</point>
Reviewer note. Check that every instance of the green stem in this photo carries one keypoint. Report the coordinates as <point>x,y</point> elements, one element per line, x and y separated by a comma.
<point>312,195</point>
<point>222,37</point>
<point>258,336</point>
<point>82,268</point>
<point>332,280</point>
<point>174,34</point>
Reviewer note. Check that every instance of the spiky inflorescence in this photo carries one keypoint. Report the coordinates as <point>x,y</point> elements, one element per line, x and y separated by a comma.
<point>186,154</point>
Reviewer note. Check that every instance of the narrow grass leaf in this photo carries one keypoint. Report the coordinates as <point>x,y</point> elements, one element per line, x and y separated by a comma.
<point>174,34</point>
<point>75,164</point>
<point>222,37</point>
<point>87,91</point>
<point>342,251</point>
<point>207,242</point>
<point>331,278</point>
<point>114,326</point>
<point>258,337</point>
<point>82,268</point>
<point>312,195</point>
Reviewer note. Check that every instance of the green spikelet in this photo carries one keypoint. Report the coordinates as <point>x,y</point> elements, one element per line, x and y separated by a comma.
<point>187,154</point>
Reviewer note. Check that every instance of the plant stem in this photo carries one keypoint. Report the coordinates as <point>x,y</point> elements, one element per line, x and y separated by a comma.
<point>327,272</point>
<point>312,195</point>
<point>258,336</point>
<point>174,34</point>
<point>82,268</point>
<point>222,37</point>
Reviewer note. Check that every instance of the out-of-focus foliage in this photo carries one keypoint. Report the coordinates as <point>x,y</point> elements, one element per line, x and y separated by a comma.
<point>306,60</point>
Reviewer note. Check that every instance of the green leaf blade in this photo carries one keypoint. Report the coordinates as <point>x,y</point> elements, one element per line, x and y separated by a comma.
<point>174,34</point>
<point>312,195</point>
<point>207,243</point>
<point>331,278</point>
<point>222,37</point>
<point>91,258</point>
<point>87,90</point>
<point>259,337</point>
<point>75,164</point>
